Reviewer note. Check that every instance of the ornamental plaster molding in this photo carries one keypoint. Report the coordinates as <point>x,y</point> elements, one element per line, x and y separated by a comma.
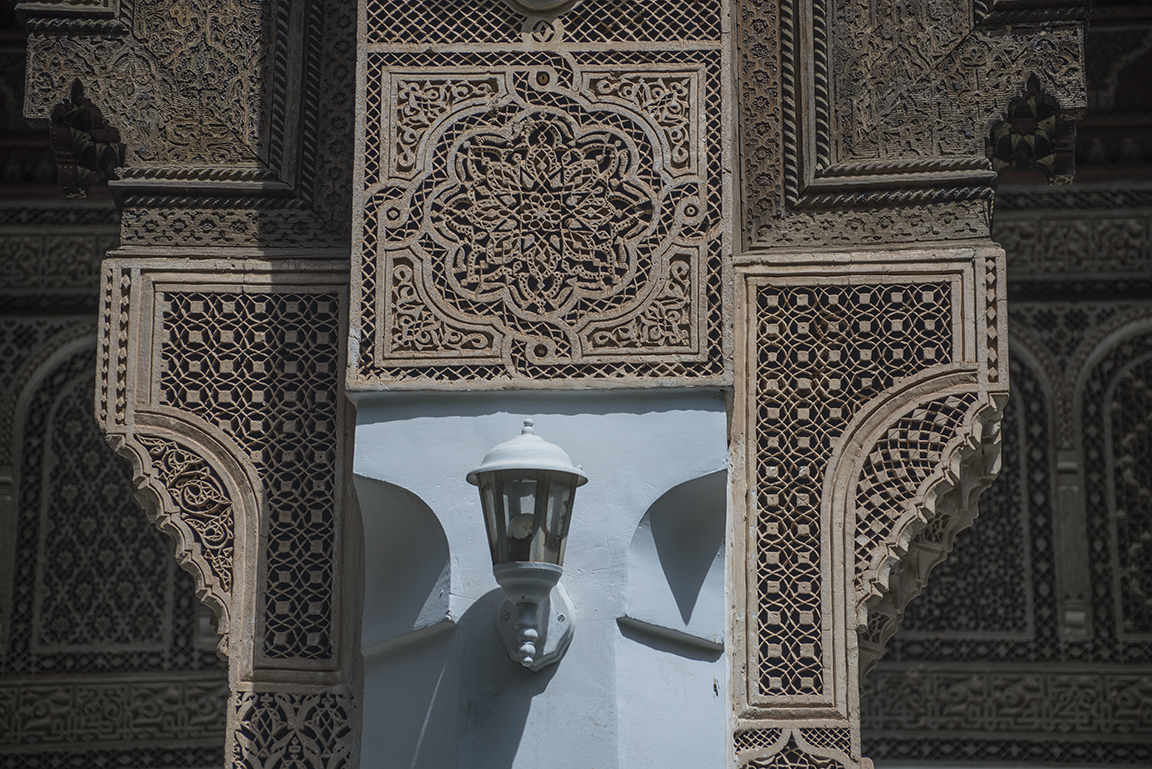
<point>895,569</point>
<point>869,408</point>
<point>220,381</point>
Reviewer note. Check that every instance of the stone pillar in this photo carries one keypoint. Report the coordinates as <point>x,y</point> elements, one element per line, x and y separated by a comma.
<point>225,129</point>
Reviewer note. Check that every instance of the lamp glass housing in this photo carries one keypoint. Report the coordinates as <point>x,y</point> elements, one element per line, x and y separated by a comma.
<point>527,513</point>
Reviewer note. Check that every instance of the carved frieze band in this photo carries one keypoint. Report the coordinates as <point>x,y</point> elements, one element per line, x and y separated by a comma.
<point>112,709</point>
<point>1053,702</point>
<point>542,216</point>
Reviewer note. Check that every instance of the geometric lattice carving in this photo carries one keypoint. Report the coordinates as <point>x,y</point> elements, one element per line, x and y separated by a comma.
<point>545,215</point>
<point>822,352</point>
<point>303,731</point>
<point>264,369</point>
<point>813,748</point>
<point>896,468</point>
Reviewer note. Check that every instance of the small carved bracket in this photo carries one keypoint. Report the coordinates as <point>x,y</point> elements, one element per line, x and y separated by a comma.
<point>1035,133</point>
<point>87,149</point>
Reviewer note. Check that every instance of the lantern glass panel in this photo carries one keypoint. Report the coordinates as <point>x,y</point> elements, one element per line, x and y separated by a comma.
<point>527,514</point>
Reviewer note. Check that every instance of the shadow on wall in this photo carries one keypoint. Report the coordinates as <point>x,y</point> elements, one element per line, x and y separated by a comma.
<point>407,581</point>
<point>676,571</point>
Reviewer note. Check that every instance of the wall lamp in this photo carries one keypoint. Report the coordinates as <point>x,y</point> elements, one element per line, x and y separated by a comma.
<point>527,487</point>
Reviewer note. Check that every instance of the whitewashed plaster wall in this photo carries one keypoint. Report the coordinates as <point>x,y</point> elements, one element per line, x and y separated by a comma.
<point>644,682</point>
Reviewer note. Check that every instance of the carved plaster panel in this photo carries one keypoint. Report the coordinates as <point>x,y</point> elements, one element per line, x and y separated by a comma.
<point>97,640</point>
<point>870,405</point>
<point>218,109</point>
<point>221,382</point>
<point>542,214</point>
<point>862,107</point>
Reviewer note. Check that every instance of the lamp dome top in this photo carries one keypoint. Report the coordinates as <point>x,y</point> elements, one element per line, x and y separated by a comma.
<point>527,451</point>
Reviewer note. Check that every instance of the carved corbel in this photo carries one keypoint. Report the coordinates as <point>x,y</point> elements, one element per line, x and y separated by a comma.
<point>184,495</point>
<point>87,149</point>
<point>1034,133</point>
<point>932,500</point>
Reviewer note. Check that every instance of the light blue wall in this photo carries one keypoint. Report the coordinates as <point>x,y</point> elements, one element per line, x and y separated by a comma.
<point>644,682</point>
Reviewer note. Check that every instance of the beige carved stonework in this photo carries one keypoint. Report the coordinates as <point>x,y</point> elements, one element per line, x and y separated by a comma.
<point>866,422</point>
<point>790,199</point>
<point>551,209</point>
<point>224,390</point>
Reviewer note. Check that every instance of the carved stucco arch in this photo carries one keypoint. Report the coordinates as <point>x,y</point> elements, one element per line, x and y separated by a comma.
<point>31,372</point>
<point>1096,348</point>
<point>848,461</point>
<point>891,569</point>
<point>170,501</point>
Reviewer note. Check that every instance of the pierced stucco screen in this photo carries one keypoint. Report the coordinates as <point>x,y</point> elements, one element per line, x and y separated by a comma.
<point>542,199</point>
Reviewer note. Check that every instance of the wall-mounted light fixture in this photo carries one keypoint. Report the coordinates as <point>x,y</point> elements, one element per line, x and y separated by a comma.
<point>527,487</point>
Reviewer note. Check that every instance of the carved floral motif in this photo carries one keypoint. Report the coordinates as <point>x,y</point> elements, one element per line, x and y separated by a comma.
<point>303,731</point>
<point>545,219</point>
<point>557,218</point>
<point>204,506</point>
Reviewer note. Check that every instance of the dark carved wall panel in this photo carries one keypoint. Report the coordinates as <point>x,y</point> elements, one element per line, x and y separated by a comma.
<point>102,630</point>
<point>996,645</point>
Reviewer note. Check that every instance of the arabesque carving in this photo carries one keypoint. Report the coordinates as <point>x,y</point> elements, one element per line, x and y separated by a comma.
<point>882,113</point>
<point>872,403</point>
<point>309,731</point>
<point>185,497</point>
<point>544,215</point>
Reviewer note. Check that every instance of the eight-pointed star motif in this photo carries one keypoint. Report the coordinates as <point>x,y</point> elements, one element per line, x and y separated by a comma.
<point>544,218</point>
